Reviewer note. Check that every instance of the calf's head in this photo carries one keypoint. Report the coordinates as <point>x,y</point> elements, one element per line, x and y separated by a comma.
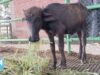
<point>33,17</point>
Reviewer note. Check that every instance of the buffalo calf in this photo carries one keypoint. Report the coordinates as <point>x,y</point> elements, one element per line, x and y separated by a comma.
<point>59,19</point>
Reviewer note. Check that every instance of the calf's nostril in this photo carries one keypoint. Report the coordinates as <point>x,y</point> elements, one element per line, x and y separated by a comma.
<point>31,39</point>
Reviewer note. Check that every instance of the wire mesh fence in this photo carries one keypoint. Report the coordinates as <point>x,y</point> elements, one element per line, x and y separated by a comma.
<point>93,23</point>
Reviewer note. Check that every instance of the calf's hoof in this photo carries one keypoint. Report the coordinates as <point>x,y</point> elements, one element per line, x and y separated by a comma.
<point>79,57</point>
<point>52,67</point>
<point>61,66</point>
<point>83,62</point>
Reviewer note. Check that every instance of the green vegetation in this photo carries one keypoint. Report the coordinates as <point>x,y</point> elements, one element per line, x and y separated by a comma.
<point>31,63</point>
<point>5,2</point>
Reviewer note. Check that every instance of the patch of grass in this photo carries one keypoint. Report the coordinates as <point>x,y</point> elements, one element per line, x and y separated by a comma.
<point>29,64</point>
<point>33,64</point>
<point>64,72</point>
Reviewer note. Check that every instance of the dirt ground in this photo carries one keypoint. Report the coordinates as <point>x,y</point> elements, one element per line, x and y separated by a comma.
<point>93,48</point>
<point>9,49</point>
<point>93,52</point>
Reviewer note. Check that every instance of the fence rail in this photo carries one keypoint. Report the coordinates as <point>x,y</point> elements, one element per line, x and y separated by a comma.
<point>94,6</point>
<point>12,20</point>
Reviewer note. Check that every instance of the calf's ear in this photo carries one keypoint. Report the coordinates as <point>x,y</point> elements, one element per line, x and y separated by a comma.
<point>48,17</point>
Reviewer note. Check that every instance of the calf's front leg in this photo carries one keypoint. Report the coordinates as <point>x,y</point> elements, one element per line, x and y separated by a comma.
<point>52,45</point>
<point>61,49</point>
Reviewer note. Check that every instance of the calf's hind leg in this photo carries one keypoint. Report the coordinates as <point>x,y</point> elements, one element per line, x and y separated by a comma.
<point>80,48</point>
<point>82,51</point>
<point>83,56</point>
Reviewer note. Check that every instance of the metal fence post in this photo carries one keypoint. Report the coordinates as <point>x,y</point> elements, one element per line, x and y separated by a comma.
<point>68,41</point>
<point>66,1</point>
<point>68,36</point>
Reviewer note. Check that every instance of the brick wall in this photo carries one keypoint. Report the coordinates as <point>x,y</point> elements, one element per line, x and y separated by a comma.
<point>20,29</point>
